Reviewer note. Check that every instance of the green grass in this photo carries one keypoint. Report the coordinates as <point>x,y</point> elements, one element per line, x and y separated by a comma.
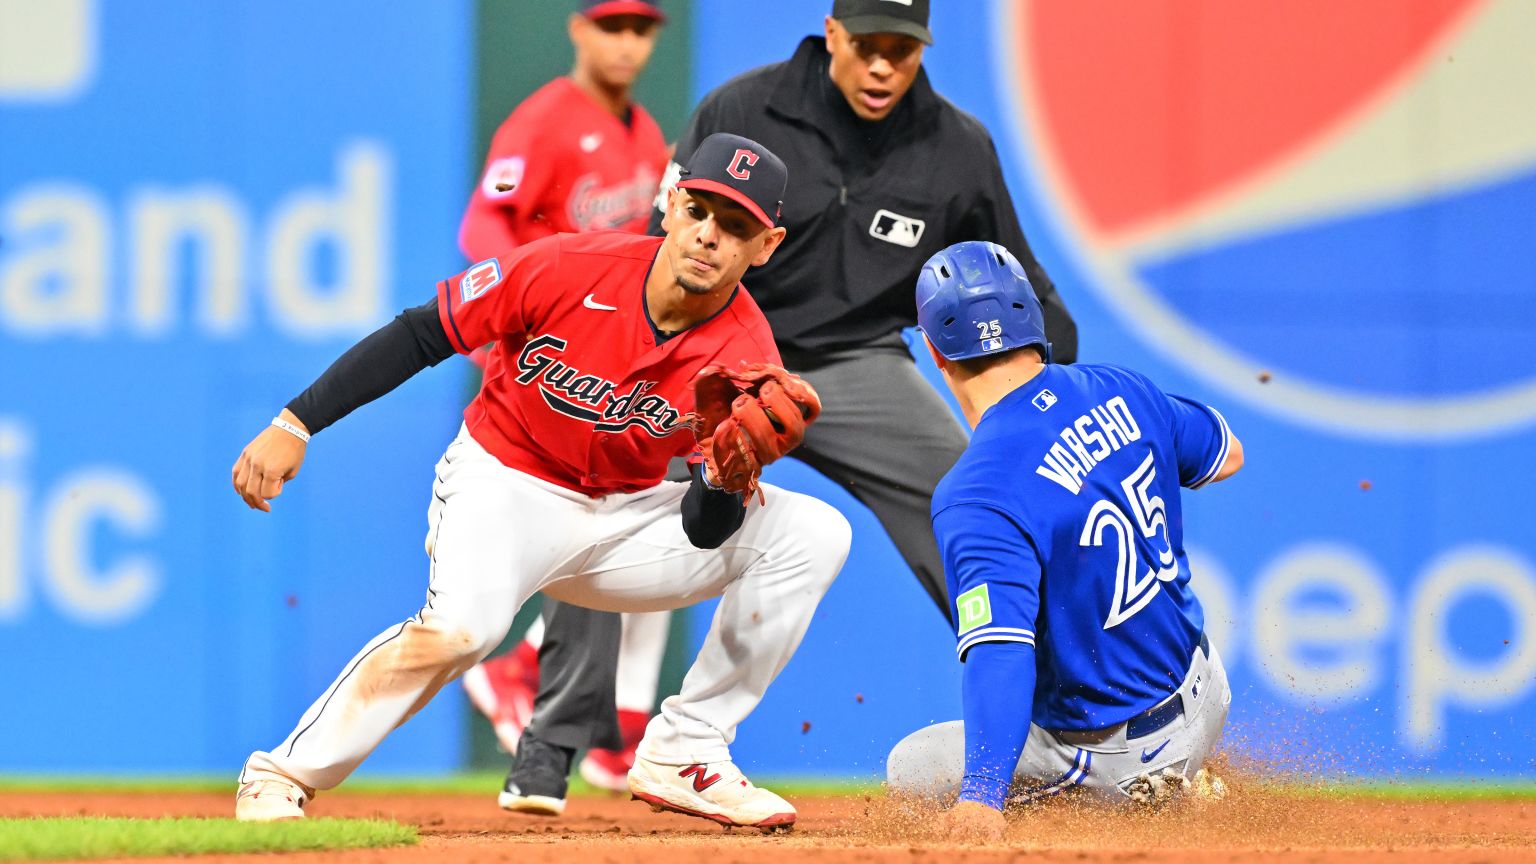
<point>86,837</point>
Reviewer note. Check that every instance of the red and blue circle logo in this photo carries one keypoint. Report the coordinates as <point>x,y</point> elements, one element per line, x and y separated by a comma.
<point>1323,208</point>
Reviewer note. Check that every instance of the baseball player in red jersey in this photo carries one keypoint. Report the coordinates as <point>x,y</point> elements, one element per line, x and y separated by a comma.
<point>577,155</point>
<point>554,484</point>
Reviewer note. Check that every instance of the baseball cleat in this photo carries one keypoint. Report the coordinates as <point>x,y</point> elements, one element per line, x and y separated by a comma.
<point>269,800</point>
<point>1208,786</point>
<point>1155,790</point>
<point>717,791</point>
<point>503,690</point>
<point>536,784</point>
<point>609,769</point>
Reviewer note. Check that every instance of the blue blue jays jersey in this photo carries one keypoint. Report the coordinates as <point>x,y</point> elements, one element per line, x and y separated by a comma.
<point>1061,527</point>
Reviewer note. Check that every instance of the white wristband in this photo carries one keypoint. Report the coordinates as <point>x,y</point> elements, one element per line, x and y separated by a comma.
<point>291,429</point>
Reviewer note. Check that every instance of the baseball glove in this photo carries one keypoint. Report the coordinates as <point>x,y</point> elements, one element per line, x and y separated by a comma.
<point>747,417</point>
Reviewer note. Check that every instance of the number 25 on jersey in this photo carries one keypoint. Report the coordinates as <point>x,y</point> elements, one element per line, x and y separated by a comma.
<point>1133,591</point>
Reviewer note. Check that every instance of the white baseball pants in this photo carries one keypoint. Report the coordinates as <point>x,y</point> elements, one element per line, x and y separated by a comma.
<point>931,761</point>
<point>496,536</point>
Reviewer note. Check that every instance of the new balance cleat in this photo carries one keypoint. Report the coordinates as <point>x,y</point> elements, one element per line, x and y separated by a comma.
<point>717,791</point>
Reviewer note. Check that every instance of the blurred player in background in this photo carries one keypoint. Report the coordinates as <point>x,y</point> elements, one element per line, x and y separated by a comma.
<point>1062,531</point>
<point>578,155</point>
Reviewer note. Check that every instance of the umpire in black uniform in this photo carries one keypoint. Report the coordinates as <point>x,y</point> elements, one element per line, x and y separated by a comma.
<point>883,172</point>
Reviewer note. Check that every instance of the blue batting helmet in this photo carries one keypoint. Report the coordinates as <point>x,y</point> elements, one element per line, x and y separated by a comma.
<point>973,299</point>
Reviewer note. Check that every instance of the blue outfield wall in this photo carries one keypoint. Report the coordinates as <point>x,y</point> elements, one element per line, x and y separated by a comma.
<point>201,205</point>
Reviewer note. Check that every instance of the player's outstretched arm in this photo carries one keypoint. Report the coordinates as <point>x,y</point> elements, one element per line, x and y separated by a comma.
<point>381,362</point>
<point>271,459</point>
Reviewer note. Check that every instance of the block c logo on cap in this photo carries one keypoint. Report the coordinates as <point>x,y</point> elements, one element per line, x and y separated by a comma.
<point>736,168</point>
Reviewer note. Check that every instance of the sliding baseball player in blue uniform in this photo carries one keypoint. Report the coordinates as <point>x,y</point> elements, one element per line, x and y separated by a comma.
<point>1086,663</point>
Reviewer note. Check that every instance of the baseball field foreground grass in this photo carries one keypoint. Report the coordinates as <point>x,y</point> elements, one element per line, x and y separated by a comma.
<point>76,838</point>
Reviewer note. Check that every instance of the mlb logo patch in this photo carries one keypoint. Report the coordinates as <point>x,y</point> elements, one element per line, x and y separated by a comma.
<point>991,344</point>
<point>1044,400</point>
<point>479,279</point>
<point>896,228</point>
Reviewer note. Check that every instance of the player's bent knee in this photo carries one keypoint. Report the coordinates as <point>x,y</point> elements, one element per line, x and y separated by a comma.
<point>463,631</point>
<point>820,527</point>
<point>422,652</point>
<point>929,763</point>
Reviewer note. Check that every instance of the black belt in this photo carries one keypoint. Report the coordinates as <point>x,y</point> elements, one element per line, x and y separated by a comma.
<point>1165,712</point>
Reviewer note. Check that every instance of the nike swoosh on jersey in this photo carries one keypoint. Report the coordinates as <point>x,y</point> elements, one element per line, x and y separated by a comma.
<point>1148,757</point>
<point>591,303</point>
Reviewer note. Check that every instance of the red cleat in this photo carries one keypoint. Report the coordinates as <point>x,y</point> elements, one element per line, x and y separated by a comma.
<point>503,690</point>
<point>609,769</point>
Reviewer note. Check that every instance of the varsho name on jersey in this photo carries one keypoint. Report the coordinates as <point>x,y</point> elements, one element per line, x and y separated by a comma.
<point>1085,441</point>
<point>590,398</point>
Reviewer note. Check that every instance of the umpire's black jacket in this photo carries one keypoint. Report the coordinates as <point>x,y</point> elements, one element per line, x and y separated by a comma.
<point>867,203</point>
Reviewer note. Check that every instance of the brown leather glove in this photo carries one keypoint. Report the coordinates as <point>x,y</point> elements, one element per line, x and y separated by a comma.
<point>745,418</point>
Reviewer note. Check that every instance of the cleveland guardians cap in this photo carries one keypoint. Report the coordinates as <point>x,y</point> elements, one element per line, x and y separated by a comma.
<point>740,169</point>
<point>595,9</point>
<point>907,17</point>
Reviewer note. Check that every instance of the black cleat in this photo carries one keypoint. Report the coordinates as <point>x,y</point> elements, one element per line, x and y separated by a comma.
<point>536,782</point>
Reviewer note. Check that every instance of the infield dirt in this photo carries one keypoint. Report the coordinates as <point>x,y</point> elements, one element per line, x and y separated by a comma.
<point>1252,825</point>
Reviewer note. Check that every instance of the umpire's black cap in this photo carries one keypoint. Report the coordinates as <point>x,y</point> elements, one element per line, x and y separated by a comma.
<point>740,169</point>
<point>907,17</point>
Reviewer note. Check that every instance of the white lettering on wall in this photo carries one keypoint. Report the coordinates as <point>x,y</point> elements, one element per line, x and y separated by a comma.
<point>57,274</point>
<point>1308,650</point>
<point>65,540</point>
<point>1434,677</point>
<point>53,267</point>
<point>211,222</point>
<point>353,222</point>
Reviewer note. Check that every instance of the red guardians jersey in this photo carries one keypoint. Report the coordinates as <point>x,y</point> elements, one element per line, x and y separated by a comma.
<point>572,167</point>
<point>578,392</point>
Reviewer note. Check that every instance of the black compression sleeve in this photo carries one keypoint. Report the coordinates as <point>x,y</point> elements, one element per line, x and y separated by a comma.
<point>374,366</point>
<point>710,515</point>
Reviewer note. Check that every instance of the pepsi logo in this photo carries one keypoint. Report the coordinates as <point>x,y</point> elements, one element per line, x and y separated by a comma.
<point>1318,208</point>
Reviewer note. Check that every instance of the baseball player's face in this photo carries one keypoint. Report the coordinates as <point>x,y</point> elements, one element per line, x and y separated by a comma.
<point>712,240</point>
<point>613,50</point>
<point>872,70</point>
